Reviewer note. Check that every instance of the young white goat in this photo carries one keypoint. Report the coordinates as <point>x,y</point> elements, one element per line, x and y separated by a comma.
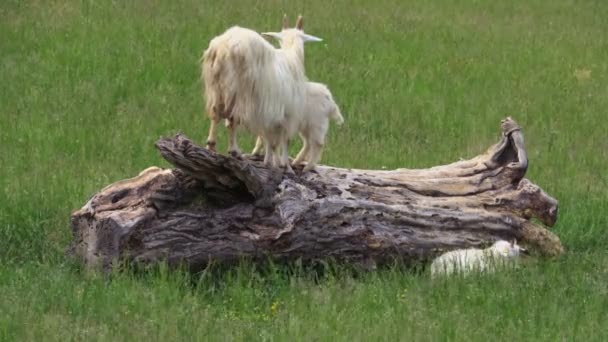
<point>473,259</point>
<point>312,124</point>
<point>248,81</point>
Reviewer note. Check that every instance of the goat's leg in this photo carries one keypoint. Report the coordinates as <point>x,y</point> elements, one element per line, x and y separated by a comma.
<point>276,156</point>
<point>276,159</point>
<point>303,152</point>
<point>316,151</point>
<point>233,148</point>
<point>284,159</point>
<point>211,138</point>
<point>259,144</point>
<point>268,157</point>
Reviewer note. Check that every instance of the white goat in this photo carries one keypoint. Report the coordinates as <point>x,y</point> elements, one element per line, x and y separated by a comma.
<point>473,259</point>
<point>248,81</point>
<point>312,124</point>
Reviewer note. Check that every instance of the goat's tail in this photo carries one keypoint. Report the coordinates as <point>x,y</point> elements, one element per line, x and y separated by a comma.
<point>337,116</point>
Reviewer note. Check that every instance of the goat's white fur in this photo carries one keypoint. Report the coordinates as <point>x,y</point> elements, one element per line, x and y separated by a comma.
<point>248,81</point>
<point>312,124</point>
<point>473,259</point>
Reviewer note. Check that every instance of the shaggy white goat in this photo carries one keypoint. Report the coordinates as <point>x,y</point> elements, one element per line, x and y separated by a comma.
<point>312,124</point>
<point>248,81</point>
<point>473,259</point>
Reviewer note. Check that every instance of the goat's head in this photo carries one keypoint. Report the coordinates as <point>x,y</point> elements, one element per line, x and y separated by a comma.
<point>508,248</point>
<point>290,36</point>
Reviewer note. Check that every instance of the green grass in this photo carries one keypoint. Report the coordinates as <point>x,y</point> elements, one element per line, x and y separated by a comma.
<point>87,87</point>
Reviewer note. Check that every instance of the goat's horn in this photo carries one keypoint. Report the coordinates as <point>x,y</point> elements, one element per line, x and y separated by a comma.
<point>285,23</point>
<point>299,22</point>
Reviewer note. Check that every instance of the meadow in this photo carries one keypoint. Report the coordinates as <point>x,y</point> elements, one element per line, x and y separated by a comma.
<point>87,87</point>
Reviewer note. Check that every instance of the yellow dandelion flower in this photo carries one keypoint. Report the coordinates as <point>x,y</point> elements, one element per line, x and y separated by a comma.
<point>274,308</point>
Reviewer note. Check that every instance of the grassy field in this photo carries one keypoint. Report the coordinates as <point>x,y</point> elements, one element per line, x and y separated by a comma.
<point>86,88</point>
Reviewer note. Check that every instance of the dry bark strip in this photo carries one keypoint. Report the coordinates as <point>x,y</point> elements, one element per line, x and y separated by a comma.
<point>219,208</point>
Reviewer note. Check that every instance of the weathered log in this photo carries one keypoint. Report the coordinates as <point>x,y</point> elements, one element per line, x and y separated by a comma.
<point>220,208</point>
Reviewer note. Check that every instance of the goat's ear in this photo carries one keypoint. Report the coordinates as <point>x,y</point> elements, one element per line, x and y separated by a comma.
<point>300,22</point>
<point>274,35</point>
<point>285,21</point>
<point>310,38</point>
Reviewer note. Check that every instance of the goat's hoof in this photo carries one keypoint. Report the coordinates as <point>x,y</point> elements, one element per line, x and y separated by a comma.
<point>210,145</point>
<point>308,169</point>
<point>235,154</point>
<point>289,170</point>
<point>256,156</point>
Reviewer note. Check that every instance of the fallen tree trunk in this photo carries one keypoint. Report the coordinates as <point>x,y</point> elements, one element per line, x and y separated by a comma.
<point>219,208</point>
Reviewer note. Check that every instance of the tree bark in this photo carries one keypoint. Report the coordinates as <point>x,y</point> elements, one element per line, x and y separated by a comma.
<point>219,208</point>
